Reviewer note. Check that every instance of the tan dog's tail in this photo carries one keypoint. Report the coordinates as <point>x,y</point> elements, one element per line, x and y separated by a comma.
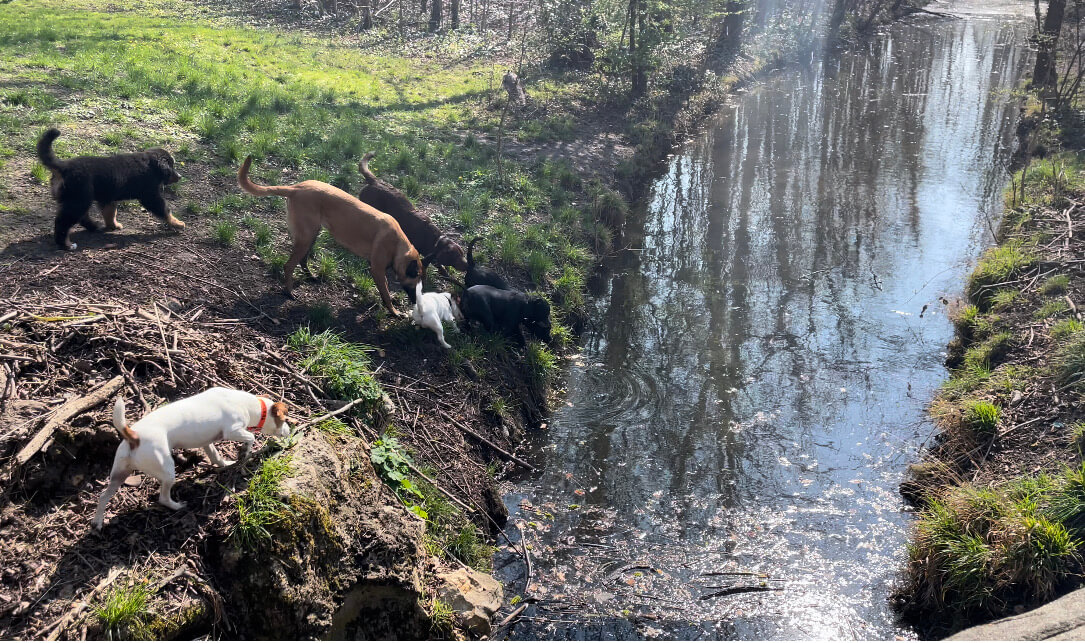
<point>259,190</point>
<point>118,423</point>
<point>363,167</point>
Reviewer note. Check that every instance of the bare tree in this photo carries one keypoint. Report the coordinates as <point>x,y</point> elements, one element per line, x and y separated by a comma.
<point>454,14</point>
<point>1045,76</point>
<point>435,15</point>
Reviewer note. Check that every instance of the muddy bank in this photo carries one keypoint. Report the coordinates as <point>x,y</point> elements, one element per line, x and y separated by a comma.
<point>1000,488</point>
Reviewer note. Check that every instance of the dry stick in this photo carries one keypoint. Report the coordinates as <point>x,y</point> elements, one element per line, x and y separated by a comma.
<point>9,315</point>
<point>165,344</point>
<point>740,590</point>
<point>66,411</point>
<point>58,625</point>
<point>343,409</point>
<point>448,494</point>
<point>493,446</point>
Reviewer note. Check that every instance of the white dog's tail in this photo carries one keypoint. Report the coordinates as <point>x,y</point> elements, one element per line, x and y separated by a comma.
<point>122,427</point>
<point>419,309</point>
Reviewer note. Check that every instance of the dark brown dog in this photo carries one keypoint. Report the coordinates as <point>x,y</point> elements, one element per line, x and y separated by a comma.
<point>357,226</point>
<point>105,180</point>
<point>434,246</point>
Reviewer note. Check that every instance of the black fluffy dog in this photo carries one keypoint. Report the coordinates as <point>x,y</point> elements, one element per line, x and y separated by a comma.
<point>105,180</point>
<point>478,276</point>
<point>504,310</point>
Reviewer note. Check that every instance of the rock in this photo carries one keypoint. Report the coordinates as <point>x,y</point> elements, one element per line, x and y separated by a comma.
<point>474,597</point>
<point>1062,619</point>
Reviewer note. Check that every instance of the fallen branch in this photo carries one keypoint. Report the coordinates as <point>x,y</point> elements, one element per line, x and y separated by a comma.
<point>448,494</point>
<point>343,409</point>
<point>741,590</point>
<point>493,446</point>
<point>66,412</point>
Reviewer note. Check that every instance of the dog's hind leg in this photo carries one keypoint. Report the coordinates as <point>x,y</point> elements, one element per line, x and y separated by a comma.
<point>215,458</point>
<point>70,213</point>
<point>307,257</point>
<point>109,213</point>
<point>156,205</point>
<point>116,479</point>
<point>168,475</point>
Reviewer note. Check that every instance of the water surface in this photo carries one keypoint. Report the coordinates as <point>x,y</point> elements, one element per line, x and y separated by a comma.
<point>754,380</point>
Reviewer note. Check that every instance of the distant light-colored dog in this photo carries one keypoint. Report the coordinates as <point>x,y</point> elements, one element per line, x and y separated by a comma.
<point>432,308</point>
<point>194,422</point>
<point>358,227</point>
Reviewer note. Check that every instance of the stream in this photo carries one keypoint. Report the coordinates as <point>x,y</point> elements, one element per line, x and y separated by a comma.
<point>755,375</point>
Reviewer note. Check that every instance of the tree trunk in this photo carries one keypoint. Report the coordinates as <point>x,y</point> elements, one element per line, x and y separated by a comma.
<point>835,21</point>
<point>638,82</point>
<point>422,6</point>
<point>454,14</point>
<point>435,15</point>
<point>367,14</point>
<point>1044,75</point>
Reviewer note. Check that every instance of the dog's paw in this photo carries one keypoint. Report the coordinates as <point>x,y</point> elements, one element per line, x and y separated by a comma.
<point>175,223</point>
<point>228,463</point>
<point>113,227</point>
<point>96,526</point>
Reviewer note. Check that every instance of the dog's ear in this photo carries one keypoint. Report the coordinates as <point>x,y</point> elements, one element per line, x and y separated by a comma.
<point>278,411</point>
<point>163,163</point>
<point>428,259</point>
<point>415,268</point>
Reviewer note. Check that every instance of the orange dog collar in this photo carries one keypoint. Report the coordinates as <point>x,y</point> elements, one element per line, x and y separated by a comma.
<point>263,416</point>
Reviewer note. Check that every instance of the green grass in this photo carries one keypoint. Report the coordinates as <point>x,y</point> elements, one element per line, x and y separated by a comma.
<point>334,427</point>
<point>1070,360</point>
<point>540,363</point>
<point>261,506</point>
<point>998,266</point>
<point>320,315</point>
<point>1065,328</point>
<point>1055,285</point>
<point>442,619</point>
<point>982,417</point>
<point>225,232</point>
<point>342,367</point>
<point>1052,308</point>
<point>123,612</point>
<point>980,551</point>
<point>1003,298</point>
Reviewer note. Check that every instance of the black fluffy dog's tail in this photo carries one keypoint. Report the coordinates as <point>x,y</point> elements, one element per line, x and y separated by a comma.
<point>45,149</point>
<point>470,249</point>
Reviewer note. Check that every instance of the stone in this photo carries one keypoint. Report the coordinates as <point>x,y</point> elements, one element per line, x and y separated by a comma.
<point>1061,619</point>
<point>474,597</point>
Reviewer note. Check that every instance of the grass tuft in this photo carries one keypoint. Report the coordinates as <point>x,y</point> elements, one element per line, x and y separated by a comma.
<point>998,265</point>
<point>123,613</point>
<point>342,366</point>
<point>261,506</point>
<point>225,232</point>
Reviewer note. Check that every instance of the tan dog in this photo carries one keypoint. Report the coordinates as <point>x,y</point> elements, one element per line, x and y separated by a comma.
<point>360,228</point>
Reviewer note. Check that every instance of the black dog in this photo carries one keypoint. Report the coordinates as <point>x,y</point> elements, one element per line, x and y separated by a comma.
<point>81,181</point>
<point>478,276</point>
<point>504,310</point>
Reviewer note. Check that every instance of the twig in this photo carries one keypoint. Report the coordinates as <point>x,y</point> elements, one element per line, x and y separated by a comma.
<point>493,446</point>
<point>741,590</point>
<point>343,409</point>
<point>448,494</point>
<point>165,344</point>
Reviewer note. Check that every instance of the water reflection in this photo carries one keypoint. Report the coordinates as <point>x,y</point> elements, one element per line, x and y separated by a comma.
<point>756,377</point>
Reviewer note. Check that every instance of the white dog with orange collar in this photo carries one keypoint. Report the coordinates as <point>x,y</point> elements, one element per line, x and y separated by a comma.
<point>194,422</point>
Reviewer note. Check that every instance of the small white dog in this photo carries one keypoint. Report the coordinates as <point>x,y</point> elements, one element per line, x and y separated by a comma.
<point>432,308</point>
<point>197,421</point>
